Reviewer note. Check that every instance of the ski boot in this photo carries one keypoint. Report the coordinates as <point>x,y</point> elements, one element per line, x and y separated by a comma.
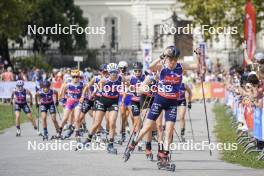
<point>85,130</point>
<point>149,154</point>
<point>111,149</point>
<point>140,149</point>
<point>66,127</point>
<point>163,162</point>
<point>129,150</point>
<point>183,138</point>
<point>127,130</point>
<point>45,137</point>
<point>69,133</point>
<point>85,143</point>
<point>18,133</point>
<point>98,138</point>
<point>77,136</point>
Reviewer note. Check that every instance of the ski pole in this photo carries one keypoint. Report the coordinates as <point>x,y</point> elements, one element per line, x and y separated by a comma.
<point>189,114</point>
<point>205,111</point>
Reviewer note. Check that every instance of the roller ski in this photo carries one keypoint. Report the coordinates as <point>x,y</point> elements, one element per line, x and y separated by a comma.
<point>69,133</point>
<point>129,150</point>
<point>45,137</point>
<point>183,138</point>
<point>111,149</point>
<point>57,136</point>
<point>149,155</point>
<point>85,143</point>
<point>18,133</point>
<point>164,163</point>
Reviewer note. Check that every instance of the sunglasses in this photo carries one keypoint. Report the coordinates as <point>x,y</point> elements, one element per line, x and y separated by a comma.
<point>75,77</point>
<point>137,70</point>
<point>113,72</point>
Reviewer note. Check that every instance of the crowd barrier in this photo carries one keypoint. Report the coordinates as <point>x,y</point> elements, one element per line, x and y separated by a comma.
<point>6,88</point>
<point>211,90</point>
<point>250,121</point>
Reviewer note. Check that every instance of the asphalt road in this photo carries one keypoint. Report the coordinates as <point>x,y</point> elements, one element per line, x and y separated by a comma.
<point>17,160</point>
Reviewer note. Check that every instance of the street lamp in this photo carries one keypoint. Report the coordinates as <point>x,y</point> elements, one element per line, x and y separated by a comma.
<point>103,51</point>
<point>139,34</point>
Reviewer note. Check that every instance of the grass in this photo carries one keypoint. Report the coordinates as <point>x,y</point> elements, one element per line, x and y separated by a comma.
<point>7,118</point>
<point>226,134</point>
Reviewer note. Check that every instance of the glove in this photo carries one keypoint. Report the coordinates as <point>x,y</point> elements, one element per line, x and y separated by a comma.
<point>37,105</point>
<point>31,104</point>
<point>57,103</point>
<point>189,105</point>
<point>11,102</point>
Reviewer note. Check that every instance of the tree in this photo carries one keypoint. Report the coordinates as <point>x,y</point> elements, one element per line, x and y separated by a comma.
<point>222,13</point>
<point>47,13</point>
<point>13,15</point>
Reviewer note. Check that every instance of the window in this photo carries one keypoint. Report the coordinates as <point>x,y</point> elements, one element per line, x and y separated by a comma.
<point>111,32</point>
<point>158,38</point>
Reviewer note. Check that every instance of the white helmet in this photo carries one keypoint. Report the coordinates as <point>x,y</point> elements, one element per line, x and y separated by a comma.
<point>259,56</point>
<point>122,64</point>
<point>112,67</point>
<point>20,83</point>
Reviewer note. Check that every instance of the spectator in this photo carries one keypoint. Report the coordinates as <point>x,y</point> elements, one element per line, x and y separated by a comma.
<point>8,75</point>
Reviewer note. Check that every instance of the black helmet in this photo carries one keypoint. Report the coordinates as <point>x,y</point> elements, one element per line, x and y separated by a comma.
<point>172,51</point>
<point>103,67</point>
<point>137,66</point>
<point>46,84</point>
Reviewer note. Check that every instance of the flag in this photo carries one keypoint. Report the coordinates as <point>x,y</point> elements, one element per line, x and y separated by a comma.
<point>250,29</point>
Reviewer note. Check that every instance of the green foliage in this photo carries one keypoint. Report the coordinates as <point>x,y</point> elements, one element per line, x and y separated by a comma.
<point>13,15</point>
<point>33,61</point>
<point>226,134</point>
<point>222,13</point>
<point>7,119</point>
<point>47,13</point>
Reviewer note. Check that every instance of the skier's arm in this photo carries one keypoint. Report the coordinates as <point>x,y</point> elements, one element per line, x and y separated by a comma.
<point>12,97</point>
<point>30,96</point>
<point>189,93</point>
<point>56,97</point>
<point>156,65</point>
<point>248,61</point>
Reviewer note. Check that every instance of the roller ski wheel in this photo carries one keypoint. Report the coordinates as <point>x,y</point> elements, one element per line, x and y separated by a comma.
<point>164,162</point>
<point>18,133</point>
<point>45,137</point>
<point>166,166</point>
<point>58,136</point>
<point>149,155</point>
<point>112,150</point>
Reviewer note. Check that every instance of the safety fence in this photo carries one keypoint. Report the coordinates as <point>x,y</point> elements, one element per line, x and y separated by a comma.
<point>249,122</point>
<point>211,90</point>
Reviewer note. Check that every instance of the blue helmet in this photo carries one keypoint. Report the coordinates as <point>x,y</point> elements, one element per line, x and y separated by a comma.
<point>46,84</point>
<point>172,51</point>
<point>103,67</point>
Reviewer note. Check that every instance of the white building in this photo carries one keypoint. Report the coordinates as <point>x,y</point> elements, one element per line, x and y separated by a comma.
<point>130,22</point>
